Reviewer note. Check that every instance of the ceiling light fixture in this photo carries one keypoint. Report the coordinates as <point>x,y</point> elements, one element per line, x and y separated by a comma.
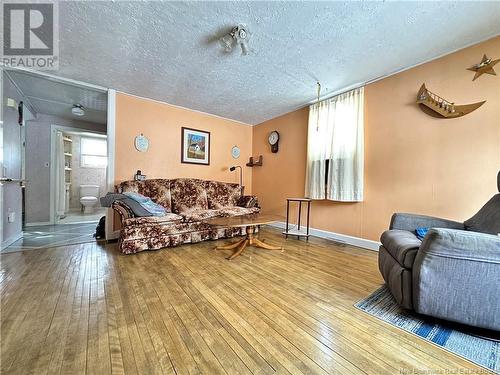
<point>238,35</point>
<point>77,110</point>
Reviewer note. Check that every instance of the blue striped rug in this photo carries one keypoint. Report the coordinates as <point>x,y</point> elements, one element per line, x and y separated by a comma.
<point>481,351</point>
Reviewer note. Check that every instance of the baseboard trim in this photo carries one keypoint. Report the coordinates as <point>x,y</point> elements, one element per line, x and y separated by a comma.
<point>343,238</point>
<point>10,241</point>
<point>37,223</point>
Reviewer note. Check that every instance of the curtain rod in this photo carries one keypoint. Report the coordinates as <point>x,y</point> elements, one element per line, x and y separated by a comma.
<point>354,87</point>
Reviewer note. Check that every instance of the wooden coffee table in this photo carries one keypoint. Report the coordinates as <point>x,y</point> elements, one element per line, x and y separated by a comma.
<point>250,222</point>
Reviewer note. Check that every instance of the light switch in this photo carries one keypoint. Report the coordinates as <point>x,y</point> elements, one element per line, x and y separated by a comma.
<point>11,103</point>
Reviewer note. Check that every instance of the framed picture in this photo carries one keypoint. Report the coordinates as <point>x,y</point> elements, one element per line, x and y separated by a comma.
<point>195,146</point>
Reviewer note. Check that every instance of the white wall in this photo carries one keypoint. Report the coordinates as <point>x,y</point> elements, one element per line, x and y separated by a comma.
<point>38,157</point>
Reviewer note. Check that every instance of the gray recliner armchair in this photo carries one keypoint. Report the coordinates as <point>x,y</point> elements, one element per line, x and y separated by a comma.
<point>453,273</point>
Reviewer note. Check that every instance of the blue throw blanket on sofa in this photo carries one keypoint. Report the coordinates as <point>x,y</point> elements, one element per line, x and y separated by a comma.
<point>146,202</point>
<point>133,204</point>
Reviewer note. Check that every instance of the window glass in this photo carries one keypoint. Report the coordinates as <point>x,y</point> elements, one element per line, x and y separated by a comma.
<point>93,152</point>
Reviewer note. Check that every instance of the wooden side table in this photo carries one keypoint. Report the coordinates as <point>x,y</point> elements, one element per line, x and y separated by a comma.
<point>296,230</point>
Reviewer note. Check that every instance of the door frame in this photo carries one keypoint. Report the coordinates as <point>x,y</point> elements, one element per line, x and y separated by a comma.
<point>111,234</point>
<point>111,122</point>
<point>53,131</point>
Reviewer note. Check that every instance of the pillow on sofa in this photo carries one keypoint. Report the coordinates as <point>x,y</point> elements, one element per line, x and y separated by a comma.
<point>487,219</point>
<point>146,203</point>
<point>421,232</point>
<point>247,201</point>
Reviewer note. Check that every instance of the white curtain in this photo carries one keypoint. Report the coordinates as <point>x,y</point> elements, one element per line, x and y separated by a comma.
<point>335,148</point>
<point>60,188</point>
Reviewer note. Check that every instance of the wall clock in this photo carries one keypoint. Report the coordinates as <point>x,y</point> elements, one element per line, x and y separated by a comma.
<point>235,152</point>
<point>273,139</point>
<point>141,143</point>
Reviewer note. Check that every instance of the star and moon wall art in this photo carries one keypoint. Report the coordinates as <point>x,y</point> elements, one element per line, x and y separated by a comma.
<point>484,67</point>
<point>436,106</point>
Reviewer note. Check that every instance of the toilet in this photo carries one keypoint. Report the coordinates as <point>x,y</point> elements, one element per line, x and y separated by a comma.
<point>89,197</point>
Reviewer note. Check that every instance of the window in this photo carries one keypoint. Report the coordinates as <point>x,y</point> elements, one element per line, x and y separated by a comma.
<point>335,148</point>
<point>93,153</point>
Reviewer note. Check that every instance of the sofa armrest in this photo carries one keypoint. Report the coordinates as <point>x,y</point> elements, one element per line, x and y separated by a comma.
<point>455,277</point>
<point>410,222</point>
<point>123,210</point>
<point>248,201</point>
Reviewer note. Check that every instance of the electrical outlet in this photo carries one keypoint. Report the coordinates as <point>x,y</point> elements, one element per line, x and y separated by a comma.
<point>11,216</point>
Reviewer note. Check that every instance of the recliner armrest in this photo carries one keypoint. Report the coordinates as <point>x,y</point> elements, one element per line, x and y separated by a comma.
<point>461,244</point>
<point>410,222</point>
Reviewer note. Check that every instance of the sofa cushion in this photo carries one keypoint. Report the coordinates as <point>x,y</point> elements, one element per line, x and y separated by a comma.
<point>487,219</point>
<point>199,215</point>
<point>238,211</point>
<point>222,194</point>
<point>159,191</point>
<point>402,245</point>
<point>152,220</point>
<point>188,194</point>
<point>161,229</point>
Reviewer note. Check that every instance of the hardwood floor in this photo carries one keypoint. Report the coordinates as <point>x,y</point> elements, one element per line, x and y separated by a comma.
<point>87,309</point>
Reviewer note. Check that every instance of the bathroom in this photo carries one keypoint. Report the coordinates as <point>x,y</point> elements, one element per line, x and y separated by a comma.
<point>85,163</point>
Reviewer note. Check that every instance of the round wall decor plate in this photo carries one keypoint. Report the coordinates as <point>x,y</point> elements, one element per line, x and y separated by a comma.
<point>235,152</point>
<point>141,143</point>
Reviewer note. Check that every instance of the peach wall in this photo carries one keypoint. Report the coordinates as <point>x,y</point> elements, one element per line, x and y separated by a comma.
<point>162,123</point>
<point>413,162</point>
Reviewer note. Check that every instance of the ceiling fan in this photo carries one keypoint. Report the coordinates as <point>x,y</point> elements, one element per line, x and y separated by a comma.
<point>238,35</point>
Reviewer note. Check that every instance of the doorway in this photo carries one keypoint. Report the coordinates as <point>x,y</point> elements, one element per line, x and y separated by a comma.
<point>79,175</point>
<point>63,156</point>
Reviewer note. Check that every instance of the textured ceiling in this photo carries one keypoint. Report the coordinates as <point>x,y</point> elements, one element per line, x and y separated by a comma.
<point>56,98</point>
<point>168,50</point>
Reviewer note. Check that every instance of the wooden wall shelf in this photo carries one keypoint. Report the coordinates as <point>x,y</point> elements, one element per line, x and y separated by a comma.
<point>436,106</point>
<point>252,163</point>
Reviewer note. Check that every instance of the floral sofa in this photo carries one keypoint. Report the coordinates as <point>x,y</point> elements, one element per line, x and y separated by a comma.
<point>189,202</point>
